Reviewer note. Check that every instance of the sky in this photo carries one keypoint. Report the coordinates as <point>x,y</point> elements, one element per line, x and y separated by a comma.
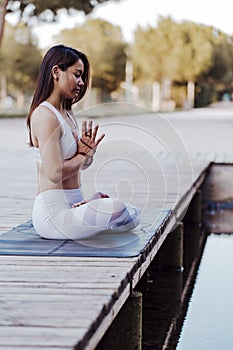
<point>131,13</point>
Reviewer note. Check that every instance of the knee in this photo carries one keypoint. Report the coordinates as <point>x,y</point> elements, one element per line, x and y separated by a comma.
<point>118,206</point>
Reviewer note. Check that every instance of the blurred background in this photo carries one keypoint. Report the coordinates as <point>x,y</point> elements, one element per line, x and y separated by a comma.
<point>162,56</point>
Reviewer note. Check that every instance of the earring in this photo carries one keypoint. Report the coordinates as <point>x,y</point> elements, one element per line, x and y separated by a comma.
<point>56,78</point>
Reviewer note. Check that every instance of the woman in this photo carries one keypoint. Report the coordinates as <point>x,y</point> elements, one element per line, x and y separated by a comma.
<point>60,211</point>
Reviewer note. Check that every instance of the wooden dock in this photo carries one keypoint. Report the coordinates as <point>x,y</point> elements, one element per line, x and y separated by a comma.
<point>70,302</point>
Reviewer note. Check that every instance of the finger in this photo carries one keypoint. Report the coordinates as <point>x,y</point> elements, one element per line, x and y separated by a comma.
<point>90,129</point>
<point>95,132</point>
<point>99,140</point>
<point>84,128</point>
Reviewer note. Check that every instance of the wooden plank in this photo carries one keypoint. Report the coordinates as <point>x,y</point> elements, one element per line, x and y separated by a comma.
<point>40,336</point>
<point>100,280</point>
<point>36,274</point>
<point>19,258</point>
<point>51,314</point>
<point>53,288</point>
<point>71,285</point>
<point>56,298</point>
<point>60,319</point>
<point>66,269</point>
<point>67,261</point>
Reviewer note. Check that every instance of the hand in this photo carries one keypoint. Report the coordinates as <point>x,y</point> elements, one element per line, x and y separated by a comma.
<point>88,143</point>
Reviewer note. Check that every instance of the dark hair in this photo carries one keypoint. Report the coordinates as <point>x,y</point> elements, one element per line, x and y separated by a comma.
<point>64,57</point>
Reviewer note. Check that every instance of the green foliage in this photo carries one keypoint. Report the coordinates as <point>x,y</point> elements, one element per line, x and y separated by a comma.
<point>219,77</point>
<point>45,10</point>
<point>195,51</point>
<point>19,59</point>
<point>183,52</point>
<point>40,7</point>
<point>178,51</point>
<point>104,46</point>
<point>205,94</point>
<point>221,70</point>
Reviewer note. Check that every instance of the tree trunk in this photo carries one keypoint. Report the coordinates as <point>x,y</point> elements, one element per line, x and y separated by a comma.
<point>191,93</point>
<point>20,100</point>
<point>3,90</point>
<point>155,96</point>
<point>3,5</point>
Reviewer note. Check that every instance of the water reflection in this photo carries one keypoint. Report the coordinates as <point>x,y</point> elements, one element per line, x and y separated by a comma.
<point>166,294</point>
<point>209,320</point>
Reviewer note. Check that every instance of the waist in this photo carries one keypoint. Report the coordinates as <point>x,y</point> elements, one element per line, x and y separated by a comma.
<point>60,197</point>
<point>44,184</point>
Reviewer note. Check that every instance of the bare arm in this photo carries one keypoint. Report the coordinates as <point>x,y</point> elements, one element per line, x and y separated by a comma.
<point>46,132</point>
<point>71,166</point>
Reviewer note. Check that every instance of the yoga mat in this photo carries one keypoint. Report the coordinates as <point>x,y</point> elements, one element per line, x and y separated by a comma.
<point>23,240</point>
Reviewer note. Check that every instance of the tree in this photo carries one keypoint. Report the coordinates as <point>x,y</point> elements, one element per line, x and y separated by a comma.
<point>221,70</point>
<point>3,10</point>
<point>178,51</point>
<point>195,51</point>
<point>219,77</point>
<point>20,62</point>
<point>186,53</point>
<point>40,9</point>
<point>104,46</point>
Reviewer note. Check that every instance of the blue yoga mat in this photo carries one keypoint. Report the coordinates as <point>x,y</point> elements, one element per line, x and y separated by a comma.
<point>23,240</point>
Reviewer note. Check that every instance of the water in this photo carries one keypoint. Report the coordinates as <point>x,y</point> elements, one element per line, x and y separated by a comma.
<point>192,310</point>
<point>209,321</point>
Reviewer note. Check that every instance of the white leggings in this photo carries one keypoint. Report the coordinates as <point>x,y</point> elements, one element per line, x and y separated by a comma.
<point>54,218</point>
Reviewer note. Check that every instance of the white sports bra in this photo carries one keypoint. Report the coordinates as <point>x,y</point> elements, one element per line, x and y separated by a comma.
<point>67,141</point>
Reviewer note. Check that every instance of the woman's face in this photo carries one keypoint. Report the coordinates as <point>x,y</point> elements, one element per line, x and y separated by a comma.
<point>70,81</point>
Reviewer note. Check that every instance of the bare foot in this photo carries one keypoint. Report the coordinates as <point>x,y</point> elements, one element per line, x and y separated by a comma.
<point>75,205</point>
<point>97,195</point>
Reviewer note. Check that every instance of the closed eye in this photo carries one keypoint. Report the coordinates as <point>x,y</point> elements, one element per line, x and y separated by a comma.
<point>78,73</point>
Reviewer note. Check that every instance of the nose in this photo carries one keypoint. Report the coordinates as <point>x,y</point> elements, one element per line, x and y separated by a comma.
<point>80,82</point>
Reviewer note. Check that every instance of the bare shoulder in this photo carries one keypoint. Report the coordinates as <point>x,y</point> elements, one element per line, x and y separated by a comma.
<point>43,116</point>
<point>44,124</point>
